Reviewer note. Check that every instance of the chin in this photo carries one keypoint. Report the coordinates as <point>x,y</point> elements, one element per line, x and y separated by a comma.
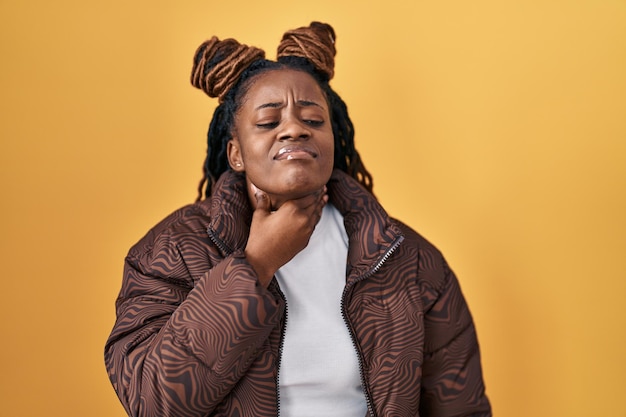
<point>302,176</point>
<point>294,189</point>
<point>294,182</point>
<point>297,190</point>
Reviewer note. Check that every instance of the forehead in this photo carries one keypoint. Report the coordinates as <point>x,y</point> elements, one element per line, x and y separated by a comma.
<point>281,84</point>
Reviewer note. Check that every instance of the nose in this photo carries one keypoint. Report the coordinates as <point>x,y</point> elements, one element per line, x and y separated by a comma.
<point>294,129</point>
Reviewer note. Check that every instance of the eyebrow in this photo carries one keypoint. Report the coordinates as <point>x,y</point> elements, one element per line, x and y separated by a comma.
<point>277,105</point>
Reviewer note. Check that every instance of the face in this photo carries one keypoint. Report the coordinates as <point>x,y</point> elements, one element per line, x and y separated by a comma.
<point>282,138</point>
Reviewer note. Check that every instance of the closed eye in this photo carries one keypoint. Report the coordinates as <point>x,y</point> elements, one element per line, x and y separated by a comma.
<point>270,125</point>
<point>314,123</point>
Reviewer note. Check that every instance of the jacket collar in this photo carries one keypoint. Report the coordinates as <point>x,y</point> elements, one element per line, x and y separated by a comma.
<point>370,230</point>
<point>230,213</point>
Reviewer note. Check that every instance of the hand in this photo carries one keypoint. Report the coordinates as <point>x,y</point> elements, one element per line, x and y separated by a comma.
<point>277,236</point>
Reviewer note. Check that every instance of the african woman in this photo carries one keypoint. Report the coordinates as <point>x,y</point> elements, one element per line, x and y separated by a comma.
<point>287,289</point>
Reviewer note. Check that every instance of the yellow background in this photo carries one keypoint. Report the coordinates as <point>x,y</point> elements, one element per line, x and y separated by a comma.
<point>495,128</point>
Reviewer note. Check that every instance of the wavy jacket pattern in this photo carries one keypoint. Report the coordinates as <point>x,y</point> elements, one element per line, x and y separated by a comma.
<point>197,336</point>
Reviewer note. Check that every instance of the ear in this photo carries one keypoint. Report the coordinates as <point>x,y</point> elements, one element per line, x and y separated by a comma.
<point>235,159</point>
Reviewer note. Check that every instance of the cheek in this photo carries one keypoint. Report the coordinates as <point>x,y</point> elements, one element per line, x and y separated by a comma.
<point>330,150</point>
<point>253,152</point>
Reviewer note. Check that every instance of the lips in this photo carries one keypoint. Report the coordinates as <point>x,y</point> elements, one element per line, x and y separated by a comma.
<point>290,152</point>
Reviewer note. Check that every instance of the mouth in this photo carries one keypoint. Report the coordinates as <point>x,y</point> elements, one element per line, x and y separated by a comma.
<point>290,152</point>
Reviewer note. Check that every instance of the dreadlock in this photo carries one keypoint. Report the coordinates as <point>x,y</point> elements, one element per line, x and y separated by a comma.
<point>227,69</point>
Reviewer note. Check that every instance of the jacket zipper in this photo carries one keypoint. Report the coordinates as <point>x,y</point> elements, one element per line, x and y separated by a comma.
<point>219,242</point>
<point>280,354</point>
<point>375,268</point>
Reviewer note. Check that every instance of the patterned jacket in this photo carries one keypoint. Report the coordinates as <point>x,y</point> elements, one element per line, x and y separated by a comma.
<point>196,335</point>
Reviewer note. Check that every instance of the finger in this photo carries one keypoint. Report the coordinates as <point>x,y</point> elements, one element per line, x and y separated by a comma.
<point>262,199</point>
<point>323,200</point>
<point>322,203</point>
<point>315,210</point>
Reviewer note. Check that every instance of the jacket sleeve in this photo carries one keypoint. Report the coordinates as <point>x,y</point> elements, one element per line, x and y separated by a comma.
<point>452,382</point>
<point>177,349</point>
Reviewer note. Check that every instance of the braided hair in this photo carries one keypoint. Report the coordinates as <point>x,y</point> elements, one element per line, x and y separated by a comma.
<point>226,69</point>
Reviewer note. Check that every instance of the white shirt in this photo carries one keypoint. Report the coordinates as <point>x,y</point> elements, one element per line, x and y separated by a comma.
<point>319,369</point>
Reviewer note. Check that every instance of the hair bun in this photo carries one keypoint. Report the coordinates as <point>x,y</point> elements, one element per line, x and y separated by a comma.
<point>315,42</point>
<point>217,65</point>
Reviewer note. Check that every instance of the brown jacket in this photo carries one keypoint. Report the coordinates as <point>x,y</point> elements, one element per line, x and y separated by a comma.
<point>196,335</point>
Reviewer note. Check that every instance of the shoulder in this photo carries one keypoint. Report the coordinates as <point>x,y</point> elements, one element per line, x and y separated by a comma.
<point>166,247</point>
<point>188,220</point>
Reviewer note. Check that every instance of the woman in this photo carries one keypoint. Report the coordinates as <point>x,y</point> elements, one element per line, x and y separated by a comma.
<point>376,323</point>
